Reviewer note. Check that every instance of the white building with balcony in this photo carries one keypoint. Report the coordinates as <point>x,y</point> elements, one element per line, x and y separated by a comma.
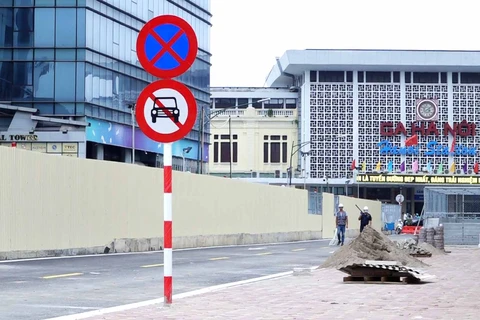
<point>252,132</point>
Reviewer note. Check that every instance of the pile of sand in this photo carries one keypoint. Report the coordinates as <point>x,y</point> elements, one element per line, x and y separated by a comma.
<point>434,251</point>
<point>370,245</point>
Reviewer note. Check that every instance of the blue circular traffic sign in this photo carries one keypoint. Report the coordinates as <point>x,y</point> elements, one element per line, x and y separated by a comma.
<point>167,46</point>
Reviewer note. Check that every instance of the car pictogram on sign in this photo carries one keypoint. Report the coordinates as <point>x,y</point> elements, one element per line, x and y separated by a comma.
<point>166,110</point>
<point>165,107</point>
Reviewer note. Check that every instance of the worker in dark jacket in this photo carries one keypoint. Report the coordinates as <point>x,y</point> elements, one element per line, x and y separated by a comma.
<point>365,218</point>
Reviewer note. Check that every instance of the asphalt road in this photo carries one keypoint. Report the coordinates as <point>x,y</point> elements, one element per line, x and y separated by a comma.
<point>41,289</point>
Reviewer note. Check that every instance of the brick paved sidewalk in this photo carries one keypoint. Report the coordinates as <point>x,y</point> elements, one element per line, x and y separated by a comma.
<point>322,295</point>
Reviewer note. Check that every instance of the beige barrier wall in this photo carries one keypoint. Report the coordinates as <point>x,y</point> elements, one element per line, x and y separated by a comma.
<point>328,210</point>
<point>61,203</point>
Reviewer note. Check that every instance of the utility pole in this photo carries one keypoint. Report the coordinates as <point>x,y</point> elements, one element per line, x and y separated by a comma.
<point>230,144</point>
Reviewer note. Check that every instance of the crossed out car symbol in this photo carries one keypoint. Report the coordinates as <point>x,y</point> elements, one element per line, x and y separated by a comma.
<point>169,104</point>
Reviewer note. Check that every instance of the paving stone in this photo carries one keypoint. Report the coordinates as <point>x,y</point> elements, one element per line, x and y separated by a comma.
<point>323,295</point>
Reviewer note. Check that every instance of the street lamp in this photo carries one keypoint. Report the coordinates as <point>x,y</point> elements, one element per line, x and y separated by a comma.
<point>185,151</point>
<point>304,155</point>
<point>132,112</point>
<point>212,115</point>
<point>300,146</point>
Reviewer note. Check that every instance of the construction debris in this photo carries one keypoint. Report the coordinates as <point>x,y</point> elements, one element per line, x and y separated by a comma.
<point>434,251</point>
<point>370,245</point>
<point>411,247</point>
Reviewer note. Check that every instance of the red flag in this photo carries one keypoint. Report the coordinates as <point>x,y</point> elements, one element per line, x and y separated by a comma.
<point>476,168</point>
<point>452,149</point>
<point>412,141</point>
<point>353,166</point>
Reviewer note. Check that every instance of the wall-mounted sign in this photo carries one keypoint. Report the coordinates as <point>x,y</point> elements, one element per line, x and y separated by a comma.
<point>433,148</point>
<point>18,137</point>
<point>419,179</point>
<point>462,129</point>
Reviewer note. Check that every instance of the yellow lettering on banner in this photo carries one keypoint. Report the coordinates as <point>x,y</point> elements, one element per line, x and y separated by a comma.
<point>451,180</point>
<point>395,179</point>
<point>425,179</point>
<point>438,180</point>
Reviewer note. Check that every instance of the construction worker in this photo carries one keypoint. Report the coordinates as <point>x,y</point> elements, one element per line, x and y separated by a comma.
<point>365,218</point>
<point>342,224</point>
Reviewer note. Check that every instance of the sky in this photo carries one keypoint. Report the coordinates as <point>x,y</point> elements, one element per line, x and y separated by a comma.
<point>247,35</point>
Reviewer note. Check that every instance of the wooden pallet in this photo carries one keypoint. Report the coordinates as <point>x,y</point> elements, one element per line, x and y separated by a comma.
<point>381,280</point>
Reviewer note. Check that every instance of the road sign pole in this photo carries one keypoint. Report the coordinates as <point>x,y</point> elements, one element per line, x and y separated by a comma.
<point>166,110</point>
<point>167,223</point>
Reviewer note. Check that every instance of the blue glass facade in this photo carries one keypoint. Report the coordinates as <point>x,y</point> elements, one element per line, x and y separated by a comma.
<point>77,58</point>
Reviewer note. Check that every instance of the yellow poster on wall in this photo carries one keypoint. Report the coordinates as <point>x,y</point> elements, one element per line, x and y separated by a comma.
<point>69,147</point>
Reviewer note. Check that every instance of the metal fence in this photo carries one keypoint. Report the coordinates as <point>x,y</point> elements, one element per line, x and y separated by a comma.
<point>314,203</point>
<point>458,209</point>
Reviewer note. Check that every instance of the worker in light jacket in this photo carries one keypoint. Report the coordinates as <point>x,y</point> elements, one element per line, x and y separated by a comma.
<point>342,224</point>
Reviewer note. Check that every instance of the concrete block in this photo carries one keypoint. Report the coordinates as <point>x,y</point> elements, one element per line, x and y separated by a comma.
<point>119,245</point>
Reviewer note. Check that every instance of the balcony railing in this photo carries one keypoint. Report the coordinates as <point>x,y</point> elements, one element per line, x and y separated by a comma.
<point>232,113</point>
<point>275,113</point>
<point>258,113</point>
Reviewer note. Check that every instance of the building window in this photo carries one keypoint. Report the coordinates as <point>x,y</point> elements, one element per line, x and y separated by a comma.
<point>470,77</point>
<point>443,77</point>
<point>255,104</point>
<point>222,150</point>
<point>425,77</point>
<point>275,151</point>
<point>331,76</point>
<point>408,77</point>
<point>291,103</point>
<point>378,77</point>
<point>274,104</point>
<point>242,103</point>
<point>349,76</point>
<point>313,76</point>
<point>455,77</point>
<point>221,103</point>
<point>360,76</point>
<point>396,77</point>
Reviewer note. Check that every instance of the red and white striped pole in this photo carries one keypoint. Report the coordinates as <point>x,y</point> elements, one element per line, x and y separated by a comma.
<point>167,223</point>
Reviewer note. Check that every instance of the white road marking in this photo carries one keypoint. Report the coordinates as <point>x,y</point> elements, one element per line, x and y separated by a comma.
<point>331,251</point>
<point>100,255</point>
<point>261,248</point>
<point>99,312</point>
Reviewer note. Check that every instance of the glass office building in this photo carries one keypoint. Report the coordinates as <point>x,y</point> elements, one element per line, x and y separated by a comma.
<point>76,59</point>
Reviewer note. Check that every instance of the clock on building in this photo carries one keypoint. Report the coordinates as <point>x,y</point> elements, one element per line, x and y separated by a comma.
<point>427,110</point>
